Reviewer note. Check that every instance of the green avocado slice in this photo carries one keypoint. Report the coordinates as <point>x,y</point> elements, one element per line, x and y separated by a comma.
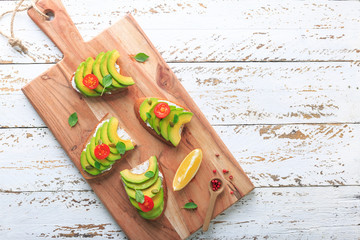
<point>79,82</point>
<point>146,184</point>
<point>89,63</point>
<point>174,133</point>
<point>158,199</point>
<point>164,123</point>
<point>154,213</point>
<point>114,137</point>
<point>130,177</point>
<point>86,166</point>
<point>105,139</point>
<point>152,121</point>
<point>111,157</point>
<point>104,70</point>
<point>103,162</point>
<point>148,191</point>
<point>112,57</point>
<point>145,107</point>
<point>92,162</point>
<point>96,68</point>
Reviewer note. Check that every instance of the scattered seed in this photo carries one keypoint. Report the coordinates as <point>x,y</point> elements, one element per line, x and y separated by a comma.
<point>231,177</point>
<point>217,155</point>
<point>231,192</point>
<point>214,171</point>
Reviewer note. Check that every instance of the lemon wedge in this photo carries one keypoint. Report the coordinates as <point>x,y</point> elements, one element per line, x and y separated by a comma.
<point>187,169</point>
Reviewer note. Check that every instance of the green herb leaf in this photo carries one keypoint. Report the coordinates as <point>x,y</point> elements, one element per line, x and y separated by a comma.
<point>176,119</point>
<point>120,146</point>
<point>149,174</point>
<point>141,57</point>
<point>139,196</point>
<point>190,205</point>
<point>107,81</point>
<point>148,116</point>
<point>97,165</point>
<point>73,119</point>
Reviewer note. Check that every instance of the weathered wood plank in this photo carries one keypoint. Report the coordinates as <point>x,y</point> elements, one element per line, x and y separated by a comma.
<point>270,213</point>
<point>289,30</point>
<point>236,93</point>
<point>271,155</point>
<point>198,14</point>
<point>218,45</point>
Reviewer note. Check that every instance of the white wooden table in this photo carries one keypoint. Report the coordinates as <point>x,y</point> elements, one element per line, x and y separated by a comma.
<point>279,81</point>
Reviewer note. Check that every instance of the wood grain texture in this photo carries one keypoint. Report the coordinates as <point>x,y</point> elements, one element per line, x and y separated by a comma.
<point>266,213</point>
<point>53,98</point>
<point>272,156</point>
<point>231,93</point>
<point>195,31</point>
<point>314,79</point>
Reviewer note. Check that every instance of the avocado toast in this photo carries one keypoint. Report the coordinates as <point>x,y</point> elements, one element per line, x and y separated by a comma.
<point>106,145</point>
<point>162,118</point>
<point>146,188</point>
<point>89,78</point>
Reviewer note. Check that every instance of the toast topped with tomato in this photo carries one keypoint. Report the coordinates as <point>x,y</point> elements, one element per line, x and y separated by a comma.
<point>162,118</point>
<point>94,78</point>
<point>106,145</point>
<point>146,188</point>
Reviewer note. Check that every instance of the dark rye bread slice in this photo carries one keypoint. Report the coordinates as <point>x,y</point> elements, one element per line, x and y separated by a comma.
<point>85,174</point>
<point>165,192</point>
<point>150,129</point>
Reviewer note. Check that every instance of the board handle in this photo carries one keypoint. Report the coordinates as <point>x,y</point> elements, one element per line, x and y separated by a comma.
<point>60,28</point>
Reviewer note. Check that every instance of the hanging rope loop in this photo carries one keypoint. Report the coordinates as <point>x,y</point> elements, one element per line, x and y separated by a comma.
<point>13,41</point>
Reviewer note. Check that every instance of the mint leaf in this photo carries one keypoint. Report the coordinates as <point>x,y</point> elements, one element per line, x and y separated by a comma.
<point>120,146</point>
<point>149,174</point>
<point>176,119</point>
<point>97,165</point>
<point>139,196</point>
<point>73,119</point>
<point>190,205</point>
<point>141,57</point>
<point>107,81</point>
<point>148,116</point>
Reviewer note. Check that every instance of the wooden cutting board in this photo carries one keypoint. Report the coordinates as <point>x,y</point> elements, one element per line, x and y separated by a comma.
<point>54,99</point>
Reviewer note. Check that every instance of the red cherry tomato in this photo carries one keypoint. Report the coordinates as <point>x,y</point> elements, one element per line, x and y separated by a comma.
<point>102,151</point>
<point>162,110</point>
<point>147,205</point>
<point>91,81</point>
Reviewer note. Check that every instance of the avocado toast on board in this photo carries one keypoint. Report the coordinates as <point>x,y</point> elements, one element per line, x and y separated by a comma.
<point>162,118</point>
<point>106,145</point>
<point>145,185</point>
<point>95,77</point>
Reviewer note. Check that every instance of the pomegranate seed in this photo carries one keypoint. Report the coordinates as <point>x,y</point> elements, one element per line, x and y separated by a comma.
<point>231,192</point>
<point>217,155</point>
<point>214,171</point>
<point>231,177</point>
<point>224,171</point>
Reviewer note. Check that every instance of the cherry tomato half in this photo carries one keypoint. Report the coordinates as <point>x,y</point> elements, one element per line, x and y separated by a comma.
<point>147,205</point>
<point>91,81</point>
<point>162,110</point>
<point>102,151</point>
